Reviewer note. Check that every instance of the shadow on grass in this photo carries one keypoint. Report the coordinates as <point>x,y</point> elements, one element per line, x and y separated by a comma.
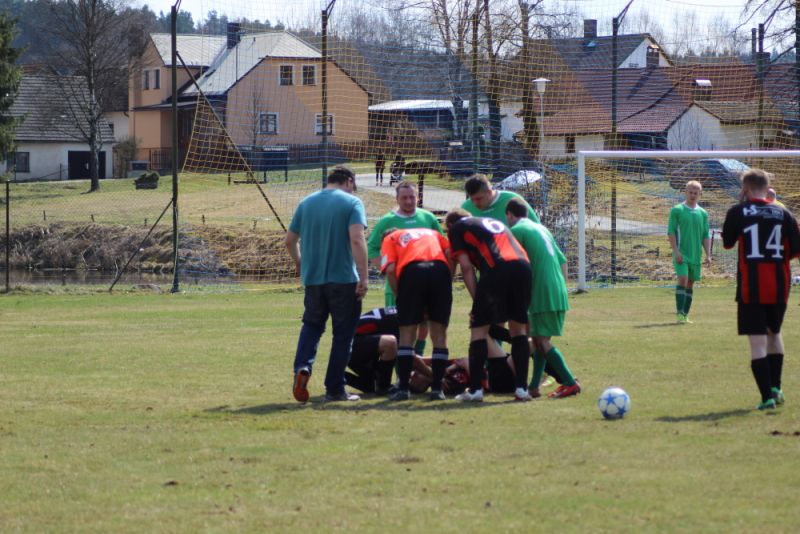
<point>658,325</point>
<point>710,416</point>
<point>364,405</point>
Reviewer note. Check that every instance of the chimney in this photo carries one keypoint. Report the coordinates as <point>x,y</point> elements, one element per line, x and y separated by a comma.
<point>753,42</point>
<point>589,29</point>
<point>653,56</point>
<point>234,34</point>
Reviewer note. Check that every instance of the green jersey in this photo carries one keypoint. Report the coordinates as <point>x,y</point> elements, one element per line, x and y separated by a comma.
<point>421,219</point>
<point>549,289</point>
<point>690,228</point>
<point>498,208</point>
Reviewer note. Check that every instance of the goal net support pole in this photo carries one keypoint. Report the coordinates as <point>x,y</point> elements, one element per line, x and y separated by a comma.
<point>649,154</point>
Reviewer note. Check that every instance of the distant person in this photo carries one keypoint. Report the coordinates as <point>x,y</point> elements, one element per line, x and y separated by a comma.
<point>405,215</point>
<point>549,300</point>
<point>380,165</point>
<point>772,196</point>
<point>484,201</point>
<point>689,236</point>
<point>326,242</point>
<point>417,266</point>
<point>502,294</point>
<point>768,239</point>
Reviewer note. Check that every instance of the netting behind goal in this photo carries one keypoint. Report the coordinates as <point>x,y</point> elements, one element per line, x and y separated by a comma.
<point>629,196</point>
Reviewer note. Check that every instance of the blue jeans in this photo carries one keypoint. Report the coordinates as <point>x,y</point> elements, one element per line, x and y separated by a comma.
<point>339,301</point>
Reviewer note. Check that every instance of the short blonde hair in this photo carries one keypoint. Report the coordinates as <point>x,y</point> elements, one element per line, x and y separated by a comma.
<point>694,183</point>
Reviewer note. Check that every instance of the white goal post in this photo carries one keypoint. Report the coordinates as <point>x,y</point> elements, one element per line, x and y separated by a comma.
<point>583,155</point>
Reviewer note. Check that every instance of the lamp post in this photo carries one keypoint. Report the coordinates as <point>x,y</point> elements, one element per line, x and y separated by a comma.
<point>541,86</point>
<point>325,15</point>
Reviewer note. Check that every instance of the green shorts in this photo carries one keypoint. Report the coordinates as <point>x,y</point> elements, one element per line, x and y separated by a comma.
<point>692,270</point>
<point>547,324</point>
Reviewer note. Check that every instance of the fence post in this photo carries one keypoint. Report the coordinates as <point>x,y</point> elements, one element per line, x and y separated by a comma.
<point>8,236</point>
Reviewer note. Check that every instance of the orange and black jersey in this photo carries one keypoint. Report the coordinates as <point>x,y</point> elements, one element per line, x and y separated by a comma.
<point>486,241</point>
<point>379,321</point>
<point>768,238</point>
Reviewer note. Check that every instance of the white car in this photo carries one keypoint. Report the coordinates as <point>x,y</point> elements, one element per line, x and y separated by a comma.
<point>519,180</point>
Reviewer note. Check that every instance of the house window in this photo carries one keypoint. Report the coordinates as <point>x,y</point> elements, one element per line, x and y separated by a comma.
<point>287,75</point>
<point>570,141</point>
<point>157,79</point>
<point>111,127</point>
<point>19,162</point>
<point>309,75</point>
<point>318,124</point>
<point>146,80</point>
<point>268,123</point>
<point>702,88</point>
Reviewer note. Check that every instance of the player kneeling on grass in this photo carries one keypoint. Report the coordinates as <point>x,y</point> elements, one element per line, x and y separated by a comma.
<point>416,264</point>
<point>549,301</point>
<point>768,239</point>
<point>688,234</point>
<point>502,294</point>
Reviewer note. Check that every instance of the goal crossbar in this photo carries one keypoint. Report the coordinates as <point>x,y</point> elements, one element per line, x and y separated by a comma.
<point>582,155</point>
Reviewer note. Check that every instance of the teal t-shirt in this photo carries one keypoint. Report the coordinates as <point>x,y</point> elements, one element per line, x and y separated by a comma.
<point>421,219</point>
<point>498,208</point>
<point>549,289</point>
<point>690,228</point>
<point>323,220</point>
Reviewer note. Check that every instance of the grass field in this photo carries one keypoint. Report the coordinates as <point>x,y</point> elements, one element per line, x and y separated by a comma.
<point>138,412</point>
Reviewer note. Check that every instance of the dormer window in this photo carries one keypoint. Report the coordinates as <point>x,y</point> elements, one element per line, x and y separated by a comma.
<point>591,44</point>
<point>702,89</point>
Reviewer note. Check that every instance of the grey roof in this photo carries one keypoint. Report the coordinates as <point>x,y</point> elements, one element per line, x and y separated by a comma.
<point>580,53</point>
<point>234,63</point>
<point>44,103</point>
<point>196,50</point>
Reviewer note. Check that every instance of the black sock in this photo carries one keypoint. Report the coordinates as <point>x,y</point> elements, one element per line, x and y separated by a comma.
<point>775,369</point>
<point>439,365</point>
<point>405,363</point>
<point>761,373</point>
<point>478,353</point>
<point>520,354</point>
<point>383,374</point>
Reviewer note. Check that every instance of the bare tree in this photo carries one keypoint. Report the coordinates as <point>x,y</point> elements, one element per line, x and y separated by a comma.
<point>90,44</point>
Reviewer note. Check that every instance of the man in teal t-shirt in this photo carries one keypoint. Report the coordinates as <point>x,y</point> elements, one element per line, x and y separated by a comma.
<point>484,201</point>
<point>326,242</point>
<point>549,302</point>
<point>689,235</point>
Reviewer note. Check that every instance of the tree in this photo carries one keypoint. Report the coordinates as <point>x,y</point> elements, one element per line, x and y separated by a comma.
<point>92,44</point>
<point>9,82</point>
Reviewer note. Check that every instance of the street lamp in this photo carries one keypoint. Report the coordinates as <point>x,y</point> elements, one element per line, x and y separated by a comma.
<point>541,86</point>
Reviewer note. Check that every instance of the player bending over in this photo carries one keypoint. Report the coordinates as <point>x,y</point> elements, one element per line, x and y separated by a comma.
<point>768,239</point>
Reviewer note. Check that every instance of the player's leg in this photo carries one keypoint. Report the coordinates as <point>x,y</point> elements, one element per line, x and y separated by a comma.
<point>478,354</point>
<point>752,322</point>
<point>775,349</point>
<point>405,359</point>
<point>693,276</point>
<point>387,355</point>
<point>441,355</point>
<point>682,274</point>
<point>345,311</point>
<point>314,317</point>
<point>438,305</point>
<point>518,302</point>
<point>422,335</point>
<point>409,315</point>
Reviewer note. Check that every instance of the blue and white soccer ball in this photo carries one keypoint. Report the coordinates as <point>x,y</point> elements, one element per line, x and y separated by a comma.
<point>614,403</point>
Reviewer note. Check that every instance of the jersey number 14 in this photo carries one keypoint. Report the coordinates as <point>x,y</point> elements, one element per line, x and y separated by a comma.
<point>772,245</point>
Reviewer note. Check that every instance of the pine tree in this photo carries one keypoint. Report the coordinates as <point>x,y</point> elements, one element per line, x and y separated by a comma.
<point>10,76</point>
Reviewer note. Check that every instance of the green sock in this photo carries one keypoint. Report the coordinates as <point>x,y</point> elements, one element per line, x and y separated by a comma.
<point>687,303</point>
<point>419,347</point>
<point>556,360</point>
<point>538,369</point>
<point>680,298</point>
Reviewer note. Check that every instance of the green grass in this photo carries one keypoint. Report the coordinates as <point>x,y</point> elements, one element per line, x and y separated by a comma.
<point>137,412</point>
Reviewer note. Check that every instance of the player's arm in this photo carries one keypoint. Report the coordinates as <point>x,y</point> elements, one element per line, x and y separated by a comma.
<point>707,248</point>
<point>390,271</point>
<point>673,242</point>
<point>468,272</point>
<point>730,231</point>
<point>358,245</point>
<point>374,243</point>
<point>293,246</point>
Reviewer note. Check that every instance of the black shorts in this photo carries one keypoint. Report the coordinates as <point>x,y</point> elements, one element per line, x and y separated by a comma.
<point>364,355</point>
<point>755,319</point>
<point>501,377</point>
<point>503,294</point>
<point>424,292</point>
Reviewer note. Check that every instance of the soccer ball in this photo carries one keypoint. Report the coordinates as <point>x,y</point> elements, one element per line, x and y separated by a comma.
<point>614,403</point>
<point>796,280</point>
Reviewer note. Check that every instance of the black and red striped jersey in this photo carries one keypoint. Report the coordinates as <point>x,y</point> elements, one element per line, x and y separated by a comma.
<point>379,321</point>
<point>486,241</point>
<point>768,238</point>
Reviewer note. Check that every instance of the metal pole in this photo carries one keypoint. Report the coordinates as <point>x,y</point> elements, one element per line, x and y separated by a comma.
<point>174,32</point>
<point>797,57</point>
<point>8,236</point>
<point>760,71</point>
<point>581,222</point>
<point>614,61</point>
<point>473,102</point>
<point>541,134</point>
<point>324,97</point>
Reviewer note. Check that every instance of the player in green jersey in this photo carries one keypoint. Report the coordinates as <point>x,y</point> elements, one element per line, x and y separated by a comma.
<point>484,201</point>
<point>406,215</point>
<point>689,236</point>
<point>549,302</point>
